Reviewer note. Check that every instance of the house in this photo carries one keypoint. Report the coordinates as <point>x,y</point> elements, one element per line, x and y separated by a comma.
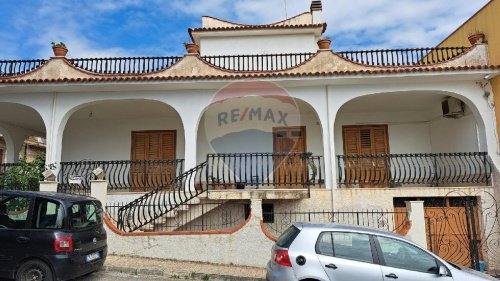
<point>256,124</point>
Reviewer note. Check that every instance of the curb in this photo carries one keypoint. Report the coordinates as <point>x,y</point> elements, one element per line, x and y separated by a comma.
<point>184,276</point>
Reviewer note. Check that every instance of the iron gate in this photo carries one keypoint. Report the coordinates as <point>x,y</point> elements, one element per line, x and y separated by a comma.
<point>464,228</point>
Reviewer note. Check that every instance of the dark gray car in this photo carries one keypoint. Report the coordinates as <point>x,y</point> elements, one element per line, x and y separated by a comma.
<point>344,253</point>
<point>50,236</point>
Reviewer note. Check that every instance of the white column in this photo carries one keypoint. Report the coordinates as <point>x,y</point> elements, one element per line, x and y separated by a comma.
<point>48,186</point>
<point>99,190</point>
<point>416,215</point>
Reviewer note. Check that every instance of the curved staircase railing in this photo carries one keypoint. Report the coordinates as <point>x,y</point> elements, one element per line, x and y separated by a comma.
<point>157,203</point>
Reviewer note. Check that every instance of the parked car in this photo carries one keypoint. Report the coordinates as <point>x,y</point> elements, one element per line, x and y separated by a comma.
<point>50,236</point>
<point>344,253</point>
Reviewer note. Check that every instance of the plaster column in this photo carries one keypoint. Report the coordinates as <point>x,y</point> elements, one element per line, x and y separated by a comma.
<point>256,206</point>
<point>48,186</point>
<point>99,190</point>
<point>416,215</point>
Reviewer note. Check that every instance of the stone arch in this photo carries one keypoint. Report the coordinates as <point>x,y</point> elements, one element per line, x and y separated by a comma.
<point>155,115</point>
<point>18,122</point>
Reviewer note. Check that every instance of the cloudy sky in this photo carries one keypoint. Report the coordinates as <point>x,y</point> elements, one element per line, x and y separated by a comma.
<point>101,28</point>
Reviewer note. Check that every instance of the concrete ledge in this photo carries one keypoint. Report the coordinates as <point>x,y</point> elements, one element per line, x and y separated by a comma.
<point>238,194</point>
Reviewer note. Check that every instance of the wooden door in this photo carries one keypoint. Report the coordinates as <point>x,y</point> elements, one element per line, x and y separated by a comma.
<point>290,168</point>
<point>146,173</point>
<point>367,171</point>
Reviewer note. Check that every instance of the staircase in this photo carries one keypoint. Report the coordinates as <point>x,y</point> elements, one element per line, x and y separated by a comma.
<point>172,200</point>
<point>150,207</point>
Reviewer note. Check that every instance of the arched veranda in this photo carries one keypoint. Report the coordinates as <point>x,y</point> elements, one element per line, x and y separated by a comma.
<point>249,133</point>
<point>140,143</point>
<point>408,139</point>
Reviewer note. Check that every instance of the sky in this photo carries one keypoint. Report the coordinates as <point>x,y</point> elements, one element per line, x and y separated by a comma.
<point>110,28</point>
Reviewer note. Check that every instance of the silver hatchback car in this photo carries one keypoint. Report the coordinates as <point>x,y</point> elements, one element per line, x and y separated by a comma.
<point>343,253</point>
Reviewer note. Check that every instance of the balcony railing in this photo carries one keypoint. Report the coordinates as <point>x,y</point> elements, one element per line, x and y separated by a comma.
<point>17,67</point>
<point>404,57</point>
<point>126,65</point>
<point>267,62</point>
<point>423,169</point>
<point>123,175</point>
<point>274,170</point>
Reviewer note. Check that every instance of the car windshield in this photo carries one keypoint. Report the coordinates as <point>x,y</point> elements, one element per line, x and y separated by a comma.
<point>85,214</point>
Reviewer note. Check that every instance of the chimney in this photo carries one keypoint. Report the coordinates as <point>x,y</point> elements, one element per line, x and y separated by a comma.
<point>316,9</point>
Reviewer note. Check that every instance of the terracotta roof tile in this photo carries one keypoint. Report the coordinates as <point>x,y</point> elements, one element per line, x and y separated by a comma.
<point>248,75</point>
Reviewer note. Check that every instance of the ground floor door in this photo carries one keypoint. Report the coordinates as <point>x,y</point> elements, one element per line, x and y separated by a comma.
<point>153,159</point>
<point>290,165</point>
<point>363,147</point>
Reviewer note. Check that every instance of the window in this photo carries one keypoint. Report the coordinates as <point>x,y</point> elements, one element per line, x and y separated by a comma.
<point>14,211</point>
<point>402,255</point>
<point>349,246</point>
<point>48,215</point>
<point>286,239</point>
<point>325,244</point>
<point>85,215</point>
<point>268,213</point>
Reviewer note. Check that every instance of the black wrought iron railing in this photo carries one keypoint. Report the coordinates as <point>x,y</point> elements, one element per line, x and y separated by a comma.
<point>404,57</point>
<point>264,62</point>
<point>204,216</point>
<point>124,65</point>
<point>151,207</point>
<point>277,222</point>
<point>122,175</point>
<point>17,67</point>
<point>428,169</point>
<point>291,170</point>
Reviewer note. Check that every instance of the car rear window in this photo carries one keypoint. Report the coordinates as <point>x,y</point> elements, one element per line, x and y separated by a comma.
<point>286,239</point>
<point>85,214</point>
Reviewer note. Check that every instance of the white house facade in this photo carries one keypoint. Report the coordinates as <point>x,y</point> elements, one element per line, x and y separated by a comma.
<point>257,122</point>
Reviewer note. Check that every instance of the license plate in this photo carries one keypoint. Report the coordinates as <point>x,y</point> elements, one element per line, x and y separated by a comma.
<point>92,257</point>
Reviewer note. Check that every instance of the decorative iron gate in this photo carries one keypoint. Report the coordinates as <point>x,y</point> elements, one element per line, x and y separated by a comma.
<point>464,228</point>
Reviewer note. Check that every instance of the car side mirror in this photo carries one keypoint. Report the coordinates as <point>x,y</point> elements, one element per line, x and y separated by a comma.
<point>443,271</point>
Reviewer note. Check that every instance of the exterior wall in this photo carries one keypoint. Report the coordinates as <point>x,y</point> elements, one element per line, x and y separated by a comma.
<point>231,248</point>
<point>195,246</point>
<point>110,139</point>
<point>486,21</point>
<point>408,132</point>
<point>258,44</point>
<point>454,135</point>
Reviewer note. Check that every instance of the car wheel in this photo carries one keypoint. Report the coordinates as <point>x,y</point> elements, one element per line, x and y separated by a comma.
<point>34,270</point>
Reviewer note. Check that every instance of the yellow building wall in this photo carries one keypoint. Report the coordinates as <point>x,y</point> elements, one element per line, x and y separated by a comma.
<point>487,21</point>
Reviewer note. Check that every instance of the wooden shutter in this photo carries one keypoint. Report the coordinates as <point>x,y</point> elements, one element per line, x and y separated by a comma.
<point>365,140</point>
<point>168,145</point>
<point>158,145</point>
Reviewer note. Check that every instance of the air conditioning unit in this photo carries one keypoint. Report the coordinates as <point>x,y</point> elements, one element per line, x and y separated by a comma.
<point>453,108</point>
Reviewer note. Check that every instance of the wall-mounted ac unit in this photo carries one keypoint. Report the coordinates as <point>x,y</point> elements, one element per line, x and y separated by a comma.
<point>452,108</point>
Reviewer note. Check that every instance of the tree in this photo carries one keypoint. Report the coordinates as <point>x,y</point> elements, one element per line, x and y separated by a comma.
<point>24,175</point>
